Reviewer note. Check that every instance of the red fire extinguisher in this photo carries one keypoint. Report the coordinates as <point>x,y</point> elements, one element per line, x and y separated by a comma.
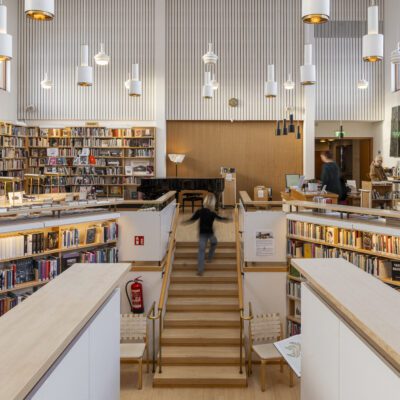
<point>136,298</point>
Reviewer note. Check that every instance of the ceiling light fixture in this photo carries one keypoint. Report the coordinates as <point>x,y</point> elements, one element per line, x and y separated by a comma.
<point>101,58</point>
<point>5,38</point>
<point>214,82</point>
<point>39,10</point>
<point>128,82</point>
<point>208,90</point>
<point>84,73</point>
<point>270,87</point>
<point>373,40</point>
<point>46,83</point>
<point>135,85</point>
<point>395,59</point>
<point>362,84</point>
<point>289,84</point>
<point>210,57</point>
<point>308,74</point>
<point>315,11</point>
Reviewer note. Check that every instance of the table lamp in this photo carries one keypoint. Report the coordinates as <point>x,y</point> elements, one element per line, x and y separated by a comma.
<point>177,159</point>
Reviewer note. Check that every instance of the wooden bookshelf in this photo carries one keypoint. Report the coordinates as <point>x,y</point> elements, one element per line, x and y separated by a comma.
<point>121,158</point>
<point>377,194</point>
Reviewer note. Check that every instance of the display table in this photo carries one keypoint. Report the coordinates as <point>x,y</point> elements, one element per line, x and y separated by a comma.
<point>63,341</point>
<point>350,333</point>
<point>296,194</point>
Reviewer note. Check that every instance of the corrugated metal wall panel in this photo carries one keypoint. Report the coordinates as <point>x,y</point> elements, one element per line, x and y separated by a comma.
<point>128,31</point>
<point>247,35</point>
<point>340,66</point>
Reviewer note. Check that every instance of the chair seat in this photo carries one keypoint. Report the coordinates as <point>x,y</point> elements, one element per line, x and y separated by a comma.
<point>267,351</point>
<point>132,350</point>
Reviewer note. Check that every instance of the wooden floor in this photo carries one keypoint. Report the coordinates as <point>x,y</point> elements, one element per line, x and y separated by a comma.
<point>277,388</point>
<point>224,231</point>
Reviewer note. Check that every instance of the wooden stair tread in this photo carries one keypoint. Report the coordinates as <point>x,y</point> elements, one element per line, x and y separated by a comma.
<point>195,355</point>
<point>191,265</point>
<point>209,304</point>
<point>200,376</point>
<point>199,286</point>
<point>202,316</point>
<point>193,254</point>
<point>190,276</point>
<point>180,245</point>
<point>207,333</point>
<point>192,273</point>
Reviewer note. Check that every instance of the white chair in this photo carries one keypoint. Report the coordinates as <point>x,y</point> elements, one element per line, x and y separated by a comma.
<point>264,330</point>
<point>134,341</point>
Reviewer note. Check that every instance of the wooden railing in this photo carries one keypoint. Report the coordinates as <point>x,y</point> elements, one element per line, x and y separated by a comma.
<point>153,316</point>
<point>251,205</point>
<point>240,284</point>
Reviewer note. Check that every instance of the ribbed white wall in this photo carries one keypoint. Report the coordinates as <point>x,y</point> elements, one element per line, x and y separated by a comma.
<point>247,35</point>
<point>340,65</point>
<point>127,29</point>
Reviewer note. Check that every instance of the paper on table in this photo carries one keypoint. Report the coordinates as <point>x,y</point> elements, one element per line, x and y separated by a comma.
<point>290,349</point>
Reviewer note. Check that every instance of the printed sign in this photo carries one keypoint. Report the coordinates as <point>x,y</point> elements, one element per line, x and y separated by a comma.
<point>265,243</point>
<point>139,240</point>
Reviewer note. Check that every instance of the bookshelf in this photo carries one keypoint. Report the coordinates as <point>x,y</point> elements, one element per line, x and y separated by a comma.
<point>34,253</point>
<point>112,161</point>
<point>371,246</point>
<point>13,154</point>
<point>377,195</point>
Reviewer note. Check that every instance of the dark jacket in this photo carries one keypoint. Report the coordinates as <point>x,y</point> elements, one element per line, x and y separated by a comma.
<point>331,178</point>
<point>207,218</point>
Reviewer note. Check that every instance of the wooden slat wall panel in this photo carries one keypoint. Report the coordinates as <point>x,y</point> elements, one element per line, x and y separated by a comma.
<point>247,35</point>
<point>128,31</point>
<point>340,65</point>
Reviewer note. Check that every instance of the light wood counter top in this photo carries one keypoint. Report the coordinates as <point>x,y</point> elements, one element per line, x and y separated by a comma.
<point>369,306</point>
<point>36,332</point>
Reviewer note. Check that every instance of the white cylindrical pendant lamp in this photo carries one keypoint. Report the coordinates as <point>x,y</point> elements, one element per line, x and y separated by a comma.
<point>271,87</point>
<point>84,73</point>
<point>5,38</point>
<point>315,11</point>
<point>39,10</point>
<point>208,90</point>
<point>373,41</point>
<point>308,73</point>
<point>46,83</point>
<point>289,84</point>
<point>101,58</point>
<point>135,85</point>
<point>210,57</point>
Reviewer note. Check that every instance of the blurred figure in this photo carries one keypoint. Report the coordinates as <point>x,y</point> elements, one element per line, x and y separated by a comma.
<point>376,172</point>
<point>207,216</point>
<point>330,176</point>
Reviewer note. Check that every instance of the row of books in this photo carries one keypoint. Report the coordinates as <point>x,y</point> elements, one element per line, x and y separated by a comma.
<point>376,195</point>
<point>140,153</point>
<point>293,328</point>
<point>22,245</point>
<point>108,255</point>
<point>9,301</point>
<point>70,238</point>
<point>12,141</point>
<point>294,289</point>
<point>95,180</point>
<point>47,269</point>
<point>11,164</point>
<point>12,153</point>
<point>373,265</point>
<point>352,238</point>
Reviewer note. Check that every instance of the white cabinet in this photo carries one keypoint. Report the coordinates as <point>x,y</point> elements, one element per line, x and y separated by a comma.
<point>320,349</point>
<point>89,369</point>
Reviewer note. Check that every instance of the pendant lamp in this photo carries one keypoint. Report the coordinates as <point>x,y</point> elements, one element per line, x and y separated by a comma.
<point>308,74</point>
<point>127,83</point>
<point>135,85</point>
<point>395,59</point>
<point>208,90</point>
<point>278,128</point>
<point>373,41</point>
<point>362,84</point>
<point>298,135</point>
<point>101,58</point>
<point>271,87</point>
<point>315,11</point>
<point>214,82</point>
<point>285,129</point>
<point>210,57</point>
<point>39,10</point>
<point>5,38</point>
<point>292,128</point>
<point>84,73</point>
<point>46,83</point>
<point>289,84</point>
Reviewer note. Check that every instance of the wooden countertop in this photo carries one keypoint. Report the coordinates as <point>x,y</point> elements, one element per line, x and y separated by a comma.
<point>36,332</point>
<point>369,306</point>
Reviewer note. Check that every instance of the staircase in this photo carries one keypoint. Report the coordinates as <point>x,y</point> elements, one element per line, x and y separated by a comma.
<point>201,337</point>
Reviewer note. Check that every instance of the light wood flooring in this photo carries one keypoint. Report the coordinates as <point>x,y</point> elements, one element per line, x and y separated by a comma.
<point>277,388</point>
<point>224,231</point>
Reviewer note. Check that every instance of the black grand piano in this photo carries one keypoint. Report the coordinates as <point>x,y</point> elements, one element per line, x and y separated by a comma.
<point>152,188</point>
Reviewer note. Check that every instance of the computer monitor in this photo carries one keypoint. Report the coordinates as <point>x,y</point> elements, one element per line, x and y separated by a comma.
<point>292,180</point>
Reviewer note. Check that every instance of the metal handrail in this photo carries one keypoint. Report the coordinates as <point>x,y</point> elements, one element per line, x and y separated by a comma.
<point>166,273</point>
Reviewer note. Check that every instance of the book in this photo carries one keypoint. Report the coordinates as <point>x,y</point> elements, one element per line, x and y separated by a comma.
<point>331,235</point>
<point>396,270</point>
<point>91,235</point>
<point>367,241</point>
<point>52,240</point>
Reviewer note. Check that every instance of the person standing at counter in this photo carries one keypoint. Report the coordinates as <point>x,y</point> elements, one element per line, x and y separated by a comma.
<point>376,172</point>
<point>330,177</point>
<point>207,216</point>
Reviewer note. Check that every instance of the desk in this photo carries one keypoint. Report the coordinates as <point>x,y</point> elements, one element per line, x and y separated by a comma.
<point>296,194</point>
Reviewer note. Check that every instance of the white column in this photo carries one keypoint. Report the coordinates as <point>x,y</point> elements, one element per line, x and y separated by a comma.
<point>309,115</point>
<point>160,84</point>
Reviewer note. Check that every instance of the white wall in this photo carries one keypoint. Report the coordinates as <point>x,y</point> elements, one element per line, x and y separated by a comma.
<point>8,100</point>
<point>392,37</point>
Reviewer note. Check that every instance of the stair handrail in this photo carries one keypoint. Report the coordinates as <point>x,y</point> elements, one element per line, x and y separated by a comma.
<point>240,285</point>
<point>161,302</point>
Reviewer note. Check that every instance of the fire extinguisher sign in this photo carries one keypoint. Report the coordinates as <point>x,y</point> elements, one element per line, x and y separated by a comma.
<point>139,240</point>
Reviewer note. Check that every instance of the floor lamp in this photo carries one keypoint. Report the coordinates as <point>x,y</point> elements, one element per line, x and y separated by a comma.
<point>177,159</point>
